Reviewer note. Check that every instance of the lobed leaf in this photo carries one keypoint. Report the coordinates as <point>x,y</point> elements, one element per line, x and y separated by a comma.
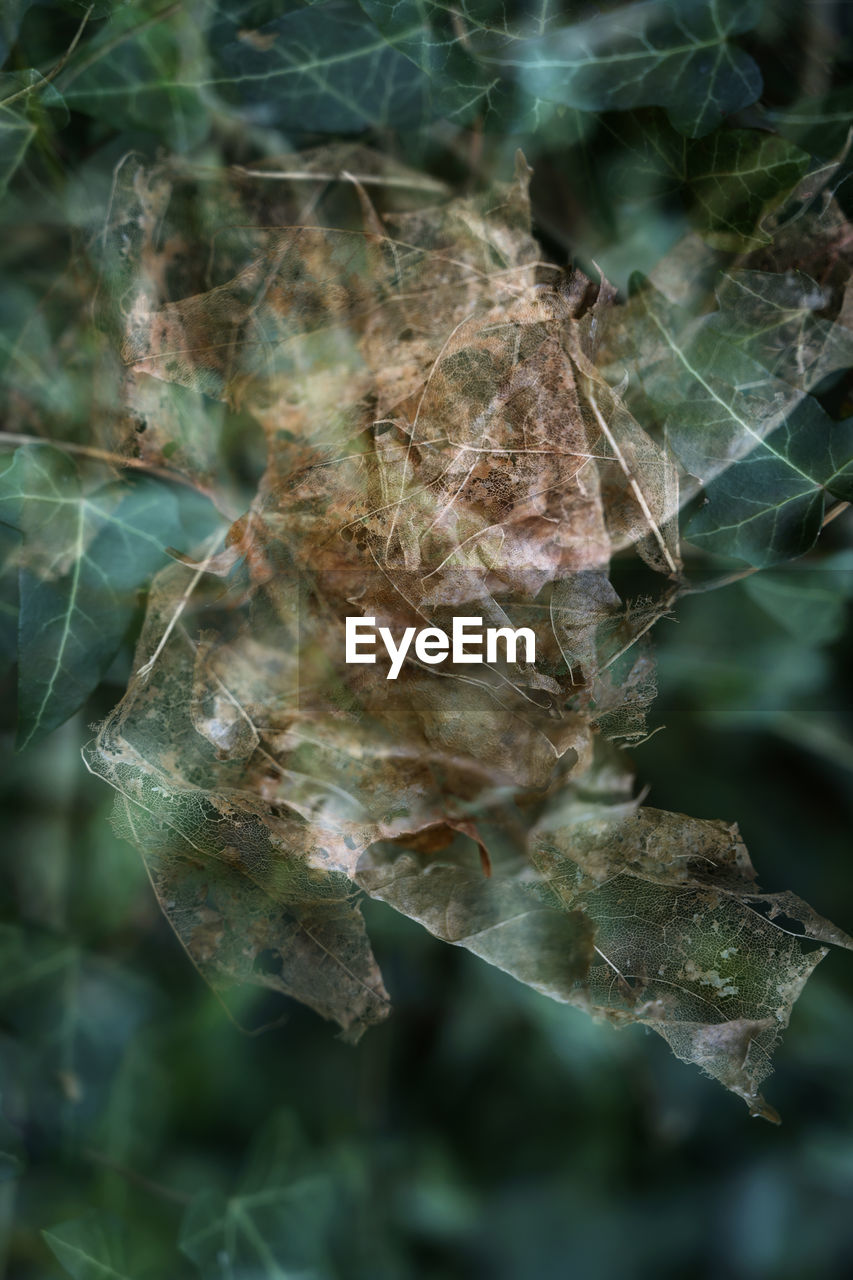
<point>86,552</point>
<point>767,455</point>
<point>445,434</point>
<point>97,1246</point>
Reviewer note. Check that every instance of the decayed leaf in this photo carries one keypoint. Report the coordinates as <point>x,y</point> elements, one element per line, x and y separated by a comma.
<point>776,319</point>
<point>685,942</point>
<point>444,439</point>
<point>647,917</point>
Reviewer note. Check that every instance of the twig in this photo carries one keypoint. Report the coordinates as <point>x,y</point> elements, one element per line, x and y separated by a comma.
<point>119,460</point>
<point>28,89</point>
<point>635,488</point>
<point>148,1184</point>
<point>367,180</point>
<point>95,56</point>
<point>147,667</point>
<point>835,511</point>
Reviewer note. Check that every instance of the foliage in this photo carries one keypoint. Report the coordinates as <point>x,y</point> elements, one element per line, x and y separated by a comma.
<point>296,327</point>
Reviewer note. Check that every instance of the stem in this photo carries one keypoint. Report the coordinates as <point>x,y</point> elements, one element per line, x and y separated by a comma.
<point>119,460</point>
<point>148,1184</point>
<point>25,92</point>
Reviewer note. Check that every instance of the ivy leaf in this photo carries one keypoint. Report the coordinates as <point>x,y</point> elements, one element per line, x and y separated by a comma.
<point>275,1224</point>
<point>820,125</point>
<point>732,178</point>
<point>12,1158</point>
<point>324,69</point>
<point>678,55</point>
<point>73,1014</point>
<point>144,75</point>
<point>806,601</point>
<point>777,320</point>
<point>444,45</point>
<point>767,454</point>
<point>97,1246</point>
<point>16,134</point>
<point>27,102</point>
<point>86,552</point>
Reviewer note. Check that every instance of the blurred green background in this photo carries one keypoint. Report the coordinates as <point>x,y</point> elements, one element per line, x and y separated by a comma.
<point>483,1131</point>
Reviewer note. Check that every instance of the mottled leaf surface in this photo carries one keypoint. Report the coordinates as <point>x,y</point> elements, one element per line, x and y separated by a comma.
<point>446,435</point>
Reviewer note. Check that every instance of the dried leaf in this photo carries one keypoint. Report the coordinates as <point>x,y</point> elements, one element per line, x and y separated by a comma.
<point>444,439</point>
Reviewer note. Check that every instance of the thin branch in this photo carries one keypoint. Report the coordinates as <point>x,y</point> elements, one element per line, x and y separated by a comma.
<point>147,667</point>
<point>119,460</point>
<point>148,1184</point>
<point>831,514</point>
<point>635,488</point>
<point>54,71</point>
<point>415,183</point>
<point>130,34</point>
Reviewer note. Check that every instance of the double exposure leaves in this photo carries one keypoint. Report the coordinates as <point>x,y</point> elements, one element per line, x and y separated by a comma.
<point>344,67</point>
<point>450,433</point>
<point>324,69</point>
<point>86,550</point>
<point>767,455</point>
<point>679,55</point>
<point>685,942</point>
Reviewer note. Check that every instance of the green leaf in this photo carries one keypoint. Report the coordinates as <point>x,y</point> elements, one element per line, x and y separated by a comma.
<point>776,319</point>
<point>94,1247</point>
<point>766,454</point>
<point>677,55</point>
<point>145,75</point>
<point>809,602</point>
<point>11,16</point>
<point>29,97</point>
<point>439,42</point>
<point>275,1225</point>
<point>74,1015</point>
<point>86,553</point>
<point>16,134</point>
<point>820,125</point>
<point>731,178</point>
<point>324,69</point>
<point>769,504</point>
<point>12,1162</point>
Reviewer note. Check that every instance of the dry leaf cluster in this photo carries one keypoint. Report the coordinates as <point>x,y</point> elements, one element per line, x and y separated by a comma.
<point>440,439</point>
